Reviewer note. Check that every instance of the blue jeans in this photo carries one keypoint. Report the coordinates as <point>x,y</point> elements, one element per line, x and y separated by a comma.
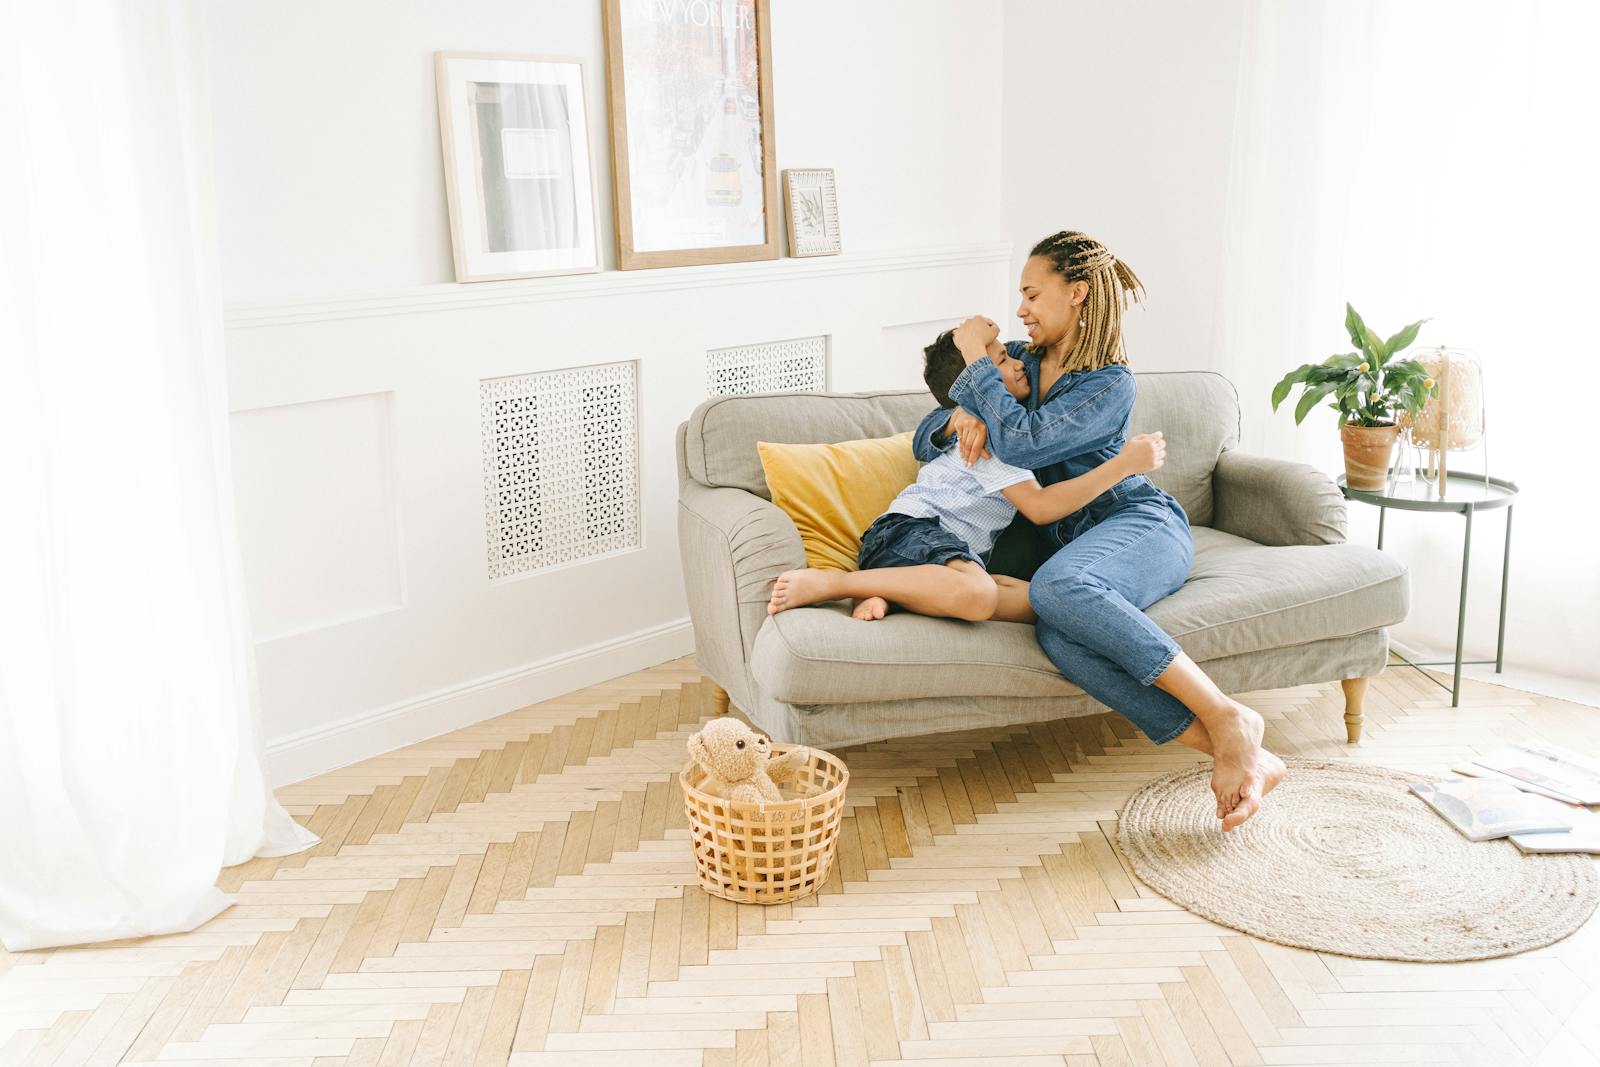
<point>1090,597</point>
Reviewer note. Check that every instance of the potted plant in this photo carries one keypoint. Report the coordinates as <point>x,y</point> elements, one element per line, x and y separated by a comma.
<point>1369,388</point>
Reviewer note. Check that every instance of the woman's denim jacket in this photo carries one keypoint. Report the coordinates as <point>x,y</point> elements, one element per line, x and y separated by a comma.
<point>1081,423</point>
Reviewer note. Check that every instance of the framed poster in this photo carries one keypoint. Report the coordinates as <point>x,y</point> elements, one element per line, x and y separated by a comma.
<point>517,173</point>
<point>813,206</point>
<point>694,165</point>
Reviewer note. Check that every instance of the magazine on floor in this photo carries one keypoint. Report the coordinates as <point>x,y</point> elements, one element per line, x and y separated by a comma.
<point>1570,775</point>
<point>1583,837</point>
<point>1473,770</point>
<point>1483,809</point>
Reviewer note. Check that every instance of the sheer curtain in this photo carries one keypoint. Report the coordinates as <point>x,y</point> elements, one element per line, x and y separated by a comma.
<point>1435,158</point>
<point>129,752</point>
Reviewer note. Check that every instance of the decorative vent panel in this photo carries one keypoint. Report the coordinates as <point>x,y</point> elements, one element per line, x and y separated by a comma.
<point>560,466</point>
<point>797,366</point>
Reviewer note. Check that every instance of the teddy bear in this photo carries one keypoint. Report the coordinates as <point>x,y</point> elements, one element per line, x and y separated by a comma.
<point>739,762</point>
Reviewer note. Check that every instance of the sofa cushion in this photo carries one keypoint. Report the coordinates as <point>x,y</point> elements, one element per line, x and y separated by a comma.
<point>720,443</point>
<point>1198,412</point>
<point>1241,597</point>
<point>834,492</point>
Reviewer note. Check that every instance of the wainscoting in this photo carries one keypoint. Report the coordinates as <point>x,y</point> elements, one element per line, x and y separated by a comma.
<point>492,477</point>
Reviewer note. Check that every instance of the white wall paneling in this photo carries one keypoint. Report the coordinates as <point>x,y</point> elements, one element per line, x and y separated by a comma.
<point>465,647</point>
<point>336,269</point>
<point>301,470</point>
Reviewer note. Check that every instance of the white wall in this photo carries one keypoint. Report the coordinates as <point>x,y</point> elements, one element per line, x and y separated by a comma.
<point>328,145</point>
<point>1118,123</point>
<point>1310,227</point>
<point>354,362</point>
<point>961,132</point>
<point>1197,143</point>
<point>1137,122</point>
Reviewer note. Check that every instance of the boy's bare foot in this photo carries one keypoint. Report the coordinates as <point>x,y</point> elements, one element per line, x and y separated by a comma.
<point>870,609</point>
<point>798,589</point>
<point>1238,770</point>
<point>1272,772</point>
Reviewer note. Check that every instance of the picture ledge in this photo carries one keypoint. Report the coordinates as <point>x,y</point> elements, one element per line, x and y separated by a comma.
<point>448,296</point>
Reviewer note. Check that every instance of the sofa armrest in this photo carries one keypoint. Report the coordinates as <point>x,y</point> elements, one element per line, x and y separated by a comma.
<point>733,544</point>
<point>1275,502</point>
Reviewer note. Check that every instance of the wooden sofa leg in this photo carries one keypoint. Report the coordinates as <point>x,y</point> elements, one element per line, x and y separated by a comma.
<point>1355,695</point>
<point>719,699</point>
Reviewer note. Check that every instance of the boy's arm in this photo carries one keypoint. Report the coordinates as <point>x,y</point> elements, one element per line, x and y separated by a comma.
<point>1046,504</point>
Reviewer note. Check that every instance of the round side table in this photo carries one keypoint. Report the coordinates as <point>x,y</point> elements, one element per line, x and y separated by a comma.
<point>1464,494</point>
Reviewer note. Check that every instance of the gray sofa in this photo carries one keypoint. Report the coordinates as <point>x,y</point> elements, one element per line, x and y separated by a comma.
<point>1276,596</point>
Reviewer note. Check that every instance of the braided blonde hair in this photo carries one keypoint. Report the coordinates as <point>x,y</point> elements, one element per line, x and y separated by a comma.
<point>1077,257</point>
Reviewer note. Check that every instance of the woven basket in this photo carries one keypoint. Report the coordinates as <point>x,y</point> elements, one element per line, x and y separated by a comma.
<point>773,852</point>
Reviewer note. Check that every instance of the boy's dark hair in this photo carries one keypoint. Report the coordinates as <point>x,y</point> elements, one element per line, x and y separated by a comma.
<point>943,365</point>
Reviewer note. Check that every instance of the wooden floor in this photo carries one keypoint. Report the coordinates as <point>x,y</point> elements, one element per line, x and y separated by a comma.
<point>520,891</point>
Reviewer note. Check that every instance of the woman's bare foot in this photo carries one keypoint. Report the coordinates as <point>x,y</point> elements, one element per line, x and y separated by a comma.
<point>1238,770</point>
<point>798,589</point>
<point>870,609</point>
<point>1272,772</point>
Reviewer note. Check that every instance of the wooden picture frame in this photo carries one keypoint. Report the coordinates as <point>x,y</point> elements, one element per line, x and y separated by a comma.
<point>685,159</point>
<point>518,169</point>
<point>811,204</point>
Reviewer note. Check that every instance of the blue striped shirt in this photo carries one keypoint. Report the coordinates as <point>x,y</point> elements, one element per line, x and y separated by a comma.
<point>967,501</point>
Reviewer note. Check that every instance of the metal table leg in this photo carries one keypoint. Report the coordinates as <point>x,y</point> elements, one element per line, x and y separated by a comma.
<point>1461,615</point>
<point>1382,511</point>
<point>1505,581</point>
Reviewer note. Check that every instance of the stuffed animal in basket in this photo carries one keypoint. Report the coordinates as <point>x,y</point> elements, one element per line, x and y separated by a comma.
<point>739,762</point>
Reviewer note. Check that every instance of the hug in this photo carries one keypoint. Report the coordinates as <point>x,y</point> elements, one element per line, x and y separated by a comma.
<point>1031,446</point>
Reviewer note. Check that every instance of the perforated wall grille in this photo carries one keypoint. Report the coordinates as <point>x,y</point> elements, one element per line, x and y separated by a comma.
<point>800,365</point>
<point>560,466</point>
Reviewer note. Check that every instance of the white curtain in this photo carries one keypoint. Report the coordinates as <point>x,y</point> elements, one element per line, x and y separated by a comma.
<point>1435,158</point>
<point>129,751</point>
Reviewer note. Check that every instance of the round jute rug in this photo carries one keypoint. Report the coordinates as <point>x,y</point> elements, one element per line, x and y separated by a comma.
<point>1344,858</point>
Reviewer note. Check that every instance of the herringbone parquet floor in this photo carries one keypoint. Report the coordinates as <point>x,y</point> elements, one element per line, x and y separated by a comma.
<point>521,891</point>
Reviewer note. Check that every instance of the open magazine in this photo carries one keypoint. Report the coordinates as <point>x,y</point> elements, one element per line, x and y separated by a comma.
<point>1548,769</point>
<point>1473,770</point>
<point>1483,809</point>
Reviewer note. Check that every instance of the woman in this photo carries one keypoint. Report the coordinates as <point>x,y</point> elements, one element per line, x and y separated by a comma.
<point>1131,546</point>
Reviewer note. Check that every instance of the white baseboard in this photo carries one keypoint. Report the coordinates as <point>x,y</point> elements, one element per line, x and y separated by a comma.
<point>299,756</point>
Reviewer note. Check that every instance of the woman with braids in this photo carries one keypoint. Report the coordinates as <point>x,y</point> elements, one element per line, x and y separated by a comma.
<point>1128,548</point>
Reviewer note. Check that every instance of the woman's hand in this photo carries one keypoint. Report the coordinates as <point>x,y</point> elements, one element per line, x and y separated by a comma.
<point>972,338</point>
<point>971,435</point>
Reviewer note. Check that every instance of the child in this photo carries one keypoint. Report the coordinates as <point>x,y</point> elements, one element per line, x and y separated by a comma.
<point>926,553</point>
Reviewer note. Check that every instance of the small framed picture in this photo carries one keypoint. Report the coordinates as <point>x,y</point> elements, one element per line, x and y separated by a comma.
<point>813,212</point>
<point>518,175</point>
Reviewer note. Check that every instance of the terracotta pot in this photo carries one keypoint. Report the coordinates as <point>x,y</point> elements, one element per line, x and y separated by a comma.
<point>1366,454</point>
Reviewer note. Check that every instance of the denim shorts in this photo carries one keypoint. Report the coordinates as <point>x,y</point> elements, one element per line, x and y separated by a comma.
<point>895,540</point>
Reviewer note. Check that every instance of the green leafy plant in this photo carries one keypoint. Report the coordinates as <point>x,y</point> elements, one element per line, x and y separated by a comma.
<point>1369,386</point>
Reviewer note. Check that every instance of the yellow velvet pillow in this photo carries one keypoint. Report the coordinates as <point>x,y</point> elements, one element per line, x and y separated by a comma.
<point>833,492</point>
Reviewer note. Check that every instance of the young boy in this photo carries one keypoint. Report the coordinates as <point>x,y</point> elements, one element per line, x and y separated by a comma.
<point>926,553</point>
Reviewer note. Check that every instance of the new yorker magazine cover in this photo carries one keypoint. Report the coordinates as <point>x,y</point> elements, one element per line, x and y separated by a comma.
<point>694,123</point>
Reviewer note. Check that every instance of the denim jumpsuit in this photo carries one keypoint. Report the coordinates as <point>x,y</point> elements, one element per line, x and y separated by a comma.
<point>1125,550</point>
